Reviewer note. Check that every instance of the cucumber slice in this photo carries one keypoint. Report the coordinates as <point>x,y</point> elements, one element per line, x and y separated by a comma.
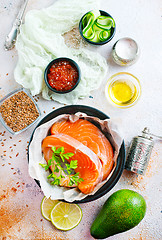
<point>87,23</point>
<point>96,37</point>
<point>104,35</point>
<point>104,22</point>
<point>97,28</point>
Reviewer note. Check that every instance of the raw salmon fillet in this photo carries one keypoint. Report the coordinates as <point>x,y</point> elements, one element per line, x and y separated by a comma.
<point>89,165</point>
<point>89,135</point>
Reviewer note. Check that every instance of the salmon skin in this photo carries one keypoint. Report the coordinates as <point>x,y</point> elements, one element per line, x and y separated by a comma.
<point>89,135</point>
<point>89,166</point>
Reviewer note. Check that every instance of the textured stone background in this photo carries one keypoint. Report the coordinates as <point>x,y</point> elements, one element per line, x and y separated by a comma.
<point>20,197</point>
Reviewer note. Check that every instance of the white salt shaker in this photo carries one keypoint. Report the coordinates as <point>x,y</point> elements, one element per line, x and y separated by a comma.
<point>125,51</point>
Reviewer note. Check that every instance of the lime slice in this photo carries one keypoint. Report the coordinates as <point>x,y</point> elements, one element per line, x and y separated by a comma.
<point>46,206</point>
<point>65,216</point>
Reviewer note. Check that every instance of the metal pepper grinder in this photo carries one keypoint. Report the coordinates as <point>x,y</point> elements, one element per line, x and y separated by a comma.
<point>139,152</point>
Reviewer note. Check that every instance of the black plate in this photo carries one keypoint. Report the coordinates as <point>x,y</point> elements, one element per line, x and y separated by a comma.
<point>72,109</point>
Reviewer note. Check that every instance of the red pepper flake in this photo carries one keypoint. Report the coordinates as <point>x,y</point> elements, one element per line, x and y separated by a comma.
<point>23,183</point>
<point>0,133</point>
<point>4,155</point>
<point>19,140</point>
<point>9,163</point>
<point>2,196</point>
<point>41,220</point>
<point>14,173</point>
<point>4,132</point>
<point>18,186</point>
<point>14,189</point>
<point>44,111</point>
<point>17,154</point>
<point>27,141</point>
<point>4,140</point>
<point>27,205</point>
<point>17,183</point>
<point>4,151</point>
<point>3,165</point>
<point>6,74</point>
<point>10,137</point>
<point>12,168</point>
<point>10,146</point>
<point>11,150</point>
<point>10,157</point>
<point>14,145</point>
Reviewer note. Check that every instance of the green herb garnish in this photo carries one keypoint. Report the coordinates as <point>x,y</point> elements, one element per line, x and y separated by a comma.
<point>58,163</point>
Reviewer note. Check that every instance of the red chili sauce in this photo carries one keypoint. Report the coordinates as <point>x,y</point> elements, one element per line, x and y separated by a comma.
<point>62,75</point>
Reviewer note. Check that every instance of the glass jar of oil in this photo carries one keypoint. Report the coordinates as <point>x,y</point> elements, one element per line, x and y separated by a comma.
<point>123,90</point>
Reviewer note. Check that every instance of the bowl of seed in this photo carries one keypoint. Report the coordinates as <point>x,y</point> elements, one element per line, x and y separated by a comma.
<point>18,111</point>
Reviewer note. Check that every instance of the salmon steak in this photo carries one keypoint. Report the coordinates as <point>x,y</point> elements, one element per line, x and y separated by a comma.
<point>89,135</point>
<point>89,166</point>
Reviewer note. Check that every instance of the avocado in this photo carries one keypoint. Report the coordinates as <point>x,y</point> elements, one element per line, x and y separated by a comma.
<point>122,211</point>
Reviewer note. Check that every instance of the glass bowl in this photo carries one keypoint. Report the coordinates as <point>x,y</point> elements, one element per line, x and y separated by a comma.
<point>113,30</point>
<point>125,51</point>
<point>123,90</point>
<point>17,115</point>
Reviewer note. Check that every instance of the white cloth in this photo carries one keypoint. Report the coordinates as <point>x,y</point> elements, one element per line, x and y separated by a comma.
<point>41,40</point>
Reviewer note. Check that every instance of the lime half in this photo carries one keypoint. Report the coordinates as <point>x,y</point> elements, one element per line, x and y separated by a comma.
<point>65,216</point>
<point>47,206</point>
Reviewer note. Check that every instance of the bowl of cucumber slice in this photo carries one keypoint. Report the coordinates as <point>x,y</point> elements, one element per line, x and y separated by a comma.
<point>97,27</point>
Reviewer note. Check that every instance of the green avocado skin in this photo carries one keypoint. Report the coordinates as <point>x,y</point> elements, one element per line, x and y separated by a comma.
<point>122,211</point>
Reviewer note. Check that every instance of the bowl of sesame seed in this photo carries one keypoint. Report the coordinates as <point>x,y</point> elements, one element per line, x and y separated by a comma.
<point>18,111</point>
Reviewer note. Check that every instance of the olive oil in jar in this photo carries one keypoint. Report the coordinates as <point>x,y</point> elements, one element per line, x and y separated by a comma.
<point>122,92</point>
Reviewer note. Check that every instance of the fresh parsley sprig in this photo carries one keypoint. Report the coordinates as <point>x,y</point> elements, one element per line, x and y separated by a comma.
<point>58,157</point>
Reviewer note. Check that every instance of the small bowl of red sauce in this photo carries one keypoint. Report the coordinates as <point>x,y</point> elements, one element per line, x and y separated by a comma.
<point>62,75</point>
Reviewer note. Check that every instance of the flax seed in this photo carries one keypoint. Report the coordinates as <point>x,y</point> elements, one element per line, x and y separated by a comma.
<point>18,111</point>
